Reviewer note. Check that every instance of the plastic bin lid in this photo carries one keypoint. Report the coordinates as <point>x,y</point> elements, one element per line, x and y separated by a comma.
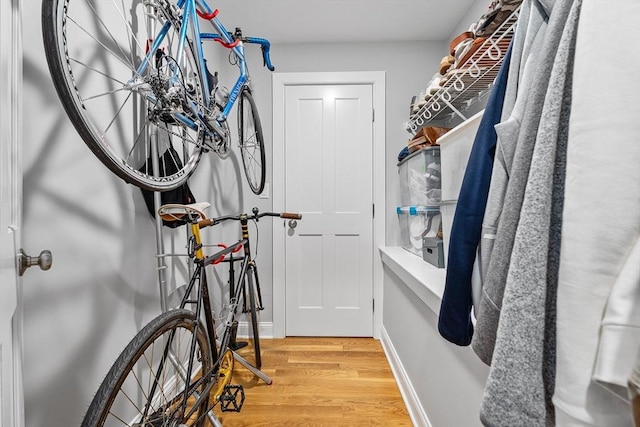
<point>413,210</point>
<point>415,153</point>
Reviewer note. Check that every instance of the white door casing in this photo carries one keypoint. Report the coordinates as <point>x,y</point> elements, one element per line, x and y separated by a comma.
<point>11,389</point>
<point>342,234</point>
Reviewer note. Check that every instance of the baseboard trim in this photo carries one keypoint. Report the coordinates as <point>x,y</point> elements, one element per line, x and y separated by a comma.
<point>414,407</point>
<point>265,329</point>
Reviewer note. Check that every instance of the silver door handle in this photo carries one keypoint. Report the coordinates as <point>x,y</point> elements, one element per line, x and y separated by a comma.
<point>44,260</point>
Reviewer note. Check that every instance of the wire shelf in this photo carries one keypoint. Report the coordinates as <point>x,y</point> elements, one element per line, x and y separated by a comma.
<point>469,82</point>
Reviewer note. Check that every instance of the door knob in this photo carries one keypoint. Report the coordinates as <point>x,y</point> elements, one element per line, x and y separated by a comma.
<point>293,223</point>
<point>44,260</point>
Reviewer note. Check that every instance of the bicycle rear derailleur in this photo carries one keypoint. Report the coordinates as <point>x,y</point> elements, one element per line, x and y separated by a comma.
<point>232,398</point>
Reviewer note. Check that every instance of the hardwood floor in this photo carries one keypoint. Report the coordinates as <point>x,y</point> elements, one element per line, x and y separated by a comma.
<point>319,382</point>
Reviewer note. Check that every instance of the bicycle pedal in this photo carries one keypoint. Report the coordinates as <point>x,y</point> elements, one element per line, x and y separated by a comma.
<point>232,398</point>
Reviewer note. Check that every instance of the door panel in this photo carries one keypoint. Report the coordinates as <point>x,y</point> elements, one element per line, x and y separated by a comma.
<point>328,178</point>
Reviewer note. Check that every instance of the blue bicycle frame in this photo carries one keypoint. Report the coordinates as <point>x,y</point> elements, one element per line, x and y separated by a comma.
<point>190,20</point>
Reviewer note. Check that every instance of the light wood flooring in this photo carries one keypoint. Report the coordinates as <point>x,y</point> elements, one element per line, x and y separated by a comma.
<point>319,382</point>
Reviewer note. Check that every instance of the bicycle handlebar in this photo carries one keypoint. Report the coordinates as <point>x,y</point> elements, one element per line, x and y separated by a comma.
<point>255,215</point>
<point>265,46</point>
<point>288,215</point>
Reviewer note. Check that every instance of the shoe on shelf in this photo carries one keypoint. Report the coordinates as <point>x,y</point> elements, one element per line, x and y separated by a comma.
<point>465,54</point>
<point>446,63</point>
<point>434,84</point>
<point>460,41</point>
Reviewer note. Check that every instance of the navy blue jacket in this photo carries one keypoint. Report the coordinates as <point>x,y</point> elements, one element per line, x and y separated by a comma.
<point>454,322</point>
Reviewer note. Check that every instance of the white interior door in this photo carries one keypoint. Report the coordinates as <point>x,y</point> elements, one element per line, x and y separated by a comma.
<point>329,266</point>
<point>11,392</point>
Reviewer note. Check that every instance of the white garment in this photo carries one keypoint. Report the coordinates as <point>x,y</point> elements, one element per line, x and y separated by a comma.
<point>601,222</point>
<point>620,330</point>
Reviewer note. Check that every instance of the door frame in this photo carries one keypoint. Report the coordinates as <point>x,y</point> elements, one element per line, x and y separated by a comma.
<point>11,310</point>
<point>279,83</point>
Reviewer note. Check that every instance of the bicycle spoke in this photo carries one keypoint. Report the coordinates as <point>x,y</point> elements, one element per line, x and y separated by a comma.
<point>123,422</point>
<point>251,153</point>
<point>107,49</point>
<point>75,61</point>
<point>250,139</point>
<point>129,30</point>
<point>132,35</point>
<point>103,94</point>
<point>104,132</point>
<point>126,395</point>
<point>124,20</point>
<point>251,162</point>
<point>151,377</point>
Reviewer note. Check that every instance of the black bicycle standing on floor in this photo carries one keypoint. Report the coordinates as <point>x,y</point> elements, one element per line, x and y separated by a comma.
<point>133,78</point>
<point>179,366</point>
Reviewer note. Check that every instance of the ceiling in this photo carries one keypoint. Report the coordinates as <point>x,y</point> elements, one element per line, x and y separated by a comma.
<point>324,21</point>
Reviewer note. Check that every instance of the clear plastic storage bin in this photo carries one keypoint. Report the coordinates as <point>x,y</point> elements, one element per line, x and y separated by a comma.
<point>420,183</point>
<point>455,148</point>
<point>416,223</point>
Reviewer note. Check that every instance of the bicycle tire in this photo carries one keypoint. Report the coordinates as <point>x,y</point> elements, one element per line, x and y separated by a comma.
<point>251,142</point>
<point>93,50</point>
<point>252,280</point>
<point>115,402</point>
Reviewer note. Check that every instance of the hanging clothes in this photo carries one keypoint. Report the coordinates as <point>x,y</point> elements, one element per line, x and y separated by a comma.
<point>521,381</point>
<point>454,321</point>
<point>598,310</point>
<point>531,27</point>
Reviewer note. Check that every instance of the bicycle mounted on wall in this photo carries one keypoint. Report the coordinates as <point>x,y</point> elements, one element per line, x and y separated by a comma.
<point>126,73</point>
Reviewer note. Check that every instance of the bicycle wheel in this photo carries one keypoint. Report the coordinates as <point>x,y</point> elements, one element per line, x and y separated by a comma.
<point>146,384</point>
<point>251,142</point>
<point>251,281</point>
<point>94,50</point>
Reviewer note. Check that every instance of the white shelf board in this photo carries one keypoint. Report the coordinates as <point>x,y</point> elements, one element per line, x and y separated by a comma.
<point>424,279</point>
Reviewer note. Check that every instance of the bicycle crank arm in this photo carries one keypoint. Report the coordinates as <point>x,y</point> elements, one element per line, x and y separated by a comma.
<point>215,127</point>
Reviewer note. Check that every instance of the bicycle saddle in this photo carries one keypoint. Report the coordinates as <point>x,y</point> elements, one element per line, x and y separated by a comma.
<point>175,212</point>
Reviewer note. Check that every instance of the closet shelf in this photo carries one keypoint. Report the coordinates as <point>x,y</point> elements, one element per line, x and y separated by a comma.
<point>469,82</point>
